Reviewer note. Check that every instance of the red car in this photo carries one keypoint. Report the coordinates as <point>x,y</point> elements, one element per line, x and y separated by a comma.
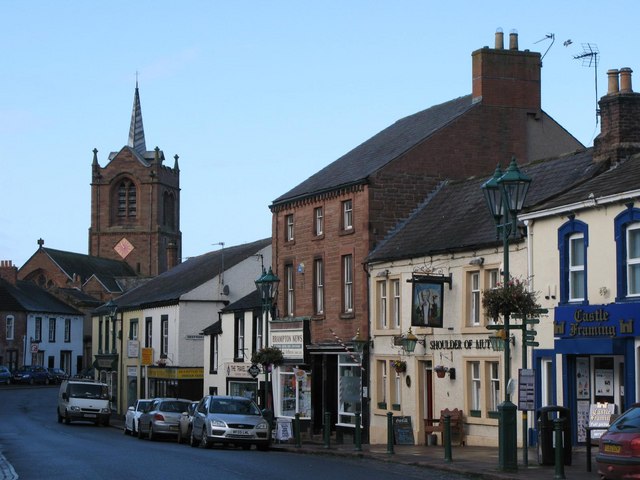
<point>619,453</point>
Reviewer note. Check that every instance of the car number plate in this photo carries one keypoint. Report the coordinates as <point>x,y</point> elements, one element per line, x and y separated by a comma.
<point>244,433</point>
<point>90,415</point>
<point>612,448</point>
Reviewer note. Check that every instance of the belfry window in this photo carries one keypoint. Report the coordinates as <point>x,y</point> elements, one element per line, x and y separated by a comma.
<point>127,206</point>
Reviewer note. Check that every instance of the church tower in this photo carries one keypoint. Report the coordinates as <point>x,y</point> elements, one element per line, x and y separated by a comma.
<point>135,205</point>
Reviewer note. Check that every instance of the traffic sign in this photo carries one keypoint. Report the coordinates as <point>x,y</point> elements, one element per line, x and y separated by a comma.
<point>254,370</point>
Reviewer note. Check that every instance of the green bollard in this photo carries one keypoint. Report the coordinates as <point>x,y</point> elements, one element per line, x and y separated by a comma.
<point>557,430</point>
<point>296,429</point>
<point>327,429</point>
<point>358,434</point>
<point>390,432</point>
<point>446,434</point>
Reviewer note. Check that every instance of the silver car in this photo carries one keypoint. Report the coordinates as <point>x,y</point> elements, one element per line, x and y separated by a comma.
<point>132,416</point>
<point>185,423</point>
<point>161,418</point>
<point>229,420</point>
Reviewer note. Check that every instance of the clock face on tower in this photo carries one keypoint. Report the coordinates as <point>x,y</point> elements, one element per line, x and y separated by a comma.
<point>123,247</point>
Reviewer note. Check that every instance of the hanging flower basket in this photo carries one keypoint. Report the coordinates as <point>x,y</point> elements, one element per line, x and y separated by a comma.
<point>268,356</point>
<point>441,371</point>
<point>399,366</point>
<point>512,299</point>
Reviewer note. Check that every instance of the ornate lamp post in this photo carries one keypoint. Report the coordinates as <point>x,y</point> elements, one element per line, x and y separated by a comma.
<point>505,194</point>
<point>267,286</point>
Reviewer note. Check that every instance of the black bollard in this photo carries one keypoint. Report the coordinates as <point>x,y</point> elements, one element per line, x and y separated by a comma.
<point>557,430</point>
<point>327,429</point>
<point>446,434</point>
<point>296,428</point>
<point>390,432</point>
<point>358,434</point>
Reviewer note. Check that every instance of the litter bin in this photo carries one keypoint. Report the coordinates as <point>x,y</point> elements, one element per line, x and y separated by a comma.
<point>546,434</point>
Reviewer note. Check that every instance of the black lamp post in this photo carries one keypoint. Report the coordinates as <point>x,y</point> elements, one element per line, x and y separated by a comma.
<point>505,194</point>
<point>267,286</point>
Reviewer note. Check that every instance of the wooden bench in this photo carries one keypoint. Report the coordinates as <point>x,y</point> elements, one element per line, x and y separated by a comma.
<point>435,425</point>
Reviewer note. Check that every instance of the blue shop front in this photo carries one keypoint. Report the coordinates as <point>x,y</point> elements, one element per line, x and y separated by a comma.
<point>599,354</point>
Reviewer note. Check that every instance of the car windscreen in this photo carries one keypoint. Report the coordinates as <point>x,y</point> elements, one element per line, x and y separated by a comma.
<point>173,406</point>
<point>628,422</point>
<point>234,407</point>
<point>88,390</point>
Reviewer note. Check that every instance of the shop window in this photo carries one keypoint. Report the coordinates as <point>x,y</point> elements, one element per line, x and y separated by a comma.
<point>573,240</point>
<point>294,392</point>
<point>349,389</point>
<point>246,389</point>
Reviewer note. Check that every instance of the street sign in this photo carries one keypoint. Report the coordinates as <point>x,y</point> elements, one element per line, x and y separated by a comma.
<point>254,370</point>
<point>34,347</point>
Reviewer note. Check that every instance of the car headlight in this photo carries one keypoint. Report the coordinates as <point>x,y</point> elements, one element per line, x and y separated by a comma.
<point>74,408</point>
<point>262,426</point>
<point>218,423</point>
<point>105,410</point>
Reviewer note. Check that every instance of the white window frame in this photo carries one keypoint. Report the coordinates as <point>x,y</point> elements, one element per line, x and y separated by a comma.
<point>289,227</point>
<point>576,270</point>
<point>10,327</point>
<point>474,298</point>
<point>52,329</point>
<point>633,262</point>
<point>395,286</point>
<point>290,289</point>
<point>475,385</point>
<point>319,220</point>
<point>347,215</point>
<point>164,326</point>
<point>382,304</point>
<point>347,262</point>
<point>347,408</point>
<point>319,285</point>
<point>494,389</point>
<point>67,330</point>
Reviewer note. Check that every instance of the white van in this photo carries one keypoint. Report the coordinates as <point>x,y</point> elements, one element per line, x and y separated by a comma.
<point>84,400</point>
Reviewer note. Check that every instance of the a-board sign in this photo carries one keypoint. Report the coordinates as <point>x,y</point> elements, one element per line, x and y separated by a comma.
<point>599,418</point>
<point>402,431</point>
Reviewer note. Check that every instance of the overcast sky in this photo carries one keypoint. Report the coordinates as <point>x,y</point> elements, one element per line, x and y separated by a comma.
<point>254,96</point>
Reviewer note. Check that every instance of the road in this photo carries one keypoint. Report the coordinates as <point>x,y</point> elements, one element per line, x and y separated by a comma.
<point>39,447</point>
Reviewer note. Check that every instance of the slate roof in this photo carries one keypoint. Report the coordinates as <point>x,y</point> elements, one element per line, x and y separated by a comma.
<point>104,269</point>
<point>357,165</point>
<point>28,297</point>
<point>250,301</point>
<point>620,178</point>
<point>456,217</point>
<point>168,287</point>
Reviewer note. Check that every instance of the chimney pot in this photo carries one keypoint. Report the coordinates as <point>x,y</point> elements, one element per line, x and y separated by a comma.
<point>499,39</point>
<point>613,81</point>
<point>625,80</point>
<point>513,40</point>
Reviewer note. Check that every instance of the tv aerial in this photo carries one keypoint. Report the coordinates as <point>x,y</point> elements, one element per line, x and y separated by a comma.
<point>589,57</point>
<point>548,36</point>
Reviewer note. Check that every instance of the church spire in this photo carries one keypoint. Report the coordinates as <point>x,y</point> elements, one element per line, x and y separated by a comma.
<point>136,130</point>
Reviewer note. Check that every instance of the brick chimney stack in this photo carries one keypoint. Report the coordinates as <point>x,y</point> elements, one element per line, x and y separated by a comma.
<point>506,78</point>
<point>620,119</point>
<point>8,271</point>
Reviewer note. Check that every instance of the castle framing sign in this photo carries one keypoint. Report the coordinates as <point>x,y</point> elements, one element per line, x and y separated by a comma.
<point>596,321</point>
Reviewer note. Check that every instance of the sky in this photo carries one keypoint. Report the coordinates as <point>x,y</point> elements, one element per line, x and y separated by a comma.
<point>254,96</point>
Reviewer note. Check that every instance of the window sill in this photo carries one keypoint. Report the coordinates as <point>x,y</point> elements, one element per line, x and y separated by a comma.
<point>350,231</point>
<point>318,237</point>
<point>317,317</point>
<point>347,316</point>
<point>289,243</point>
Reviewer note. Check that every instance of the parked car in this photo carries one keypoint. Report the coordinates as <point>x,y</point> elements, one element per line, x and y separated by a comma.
<point>229,420</point>
<point>161,418</point>
<point>57,375</point>
<point>185,423</point>
<point>5,375</point>
<point>132,416</point>
<point>618,456</point>
<point>31,374</point>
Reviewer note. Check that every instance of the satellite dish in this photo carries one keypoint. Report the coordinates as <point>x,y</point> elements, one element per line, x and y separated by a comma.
<point>225,290</point>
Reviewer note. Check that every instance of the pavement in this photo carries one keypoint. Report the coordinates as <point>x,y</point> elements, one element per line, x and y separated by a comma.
<point>471,461</point>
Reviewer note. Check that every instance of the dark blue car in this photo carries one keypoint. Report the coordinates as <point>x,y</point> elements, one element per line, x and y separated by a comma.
<point>31,374</point>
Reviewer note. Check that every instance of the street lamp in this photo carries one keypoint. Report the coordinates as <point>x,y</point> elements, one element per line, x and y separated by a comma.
<point>505,194</point>
<point>267,286</point>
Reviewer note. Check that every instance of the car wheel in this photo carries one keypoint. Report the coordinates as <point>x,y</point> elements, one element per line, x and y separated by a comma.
<point>59,416</point>
<point>126,431</point>
<point>140,434</point>
<point>151,435</point>
<point>204,443</point>
<point>193,441</point>
<point>67,420</point>
<point>106,422</point>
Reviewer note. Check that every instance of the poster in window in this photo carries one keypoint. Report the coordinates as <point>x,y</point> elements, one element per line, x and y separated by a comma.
<point>583,386</point>
<point>427,303</point>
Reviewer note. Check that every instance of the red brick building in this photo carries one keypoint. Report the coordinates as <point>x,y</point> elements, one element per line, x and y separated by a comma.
<point>324,228</point>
